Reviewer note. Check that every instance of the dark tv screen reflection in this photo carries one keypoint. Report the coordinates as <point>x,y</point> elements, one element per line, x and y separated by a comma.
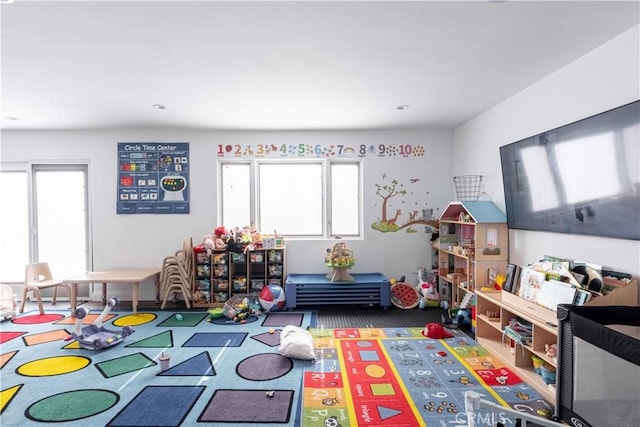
<point>581,178</point>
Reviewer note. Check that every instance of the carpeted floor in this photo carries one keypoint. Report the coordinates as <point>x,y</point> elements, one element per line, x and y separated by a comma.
<point>214,363</point>
<point>343,316</point>
<point>375,317</point>
<point>226,372</point>
<point>354,316</point>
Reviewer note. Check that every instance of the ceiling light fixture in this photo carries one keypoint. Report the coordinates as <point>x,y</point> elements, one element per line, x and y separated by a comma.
<point>402,107</point>
<point>159,107</point>
<point>6,1</point>
<point>11,118</point>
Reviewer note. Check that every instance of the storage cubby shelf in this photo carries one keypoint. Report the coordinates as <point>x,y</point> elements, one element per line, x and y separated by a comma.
<point>237,274</point>
<point>518,358</point>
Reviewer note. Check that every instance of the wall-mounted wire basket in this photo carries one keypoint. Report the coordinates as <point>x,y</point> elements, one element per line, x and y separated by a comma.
<point>468,187</point>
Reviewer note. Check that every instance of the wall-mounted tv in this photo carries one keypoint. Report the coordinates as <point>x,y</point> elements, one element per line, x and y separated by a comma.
<point>581,178</point>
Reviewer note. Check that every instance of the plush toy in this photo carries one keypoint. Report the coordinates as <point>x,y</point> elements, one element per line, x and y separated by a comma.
<point>221,235</point>
<point>256,238</point>
<point>234,245</point>
<point>551,350</point>
<point>208,243</point>
<point>245,239</point>
<point>199,296</point>
<point>500,279</point>
<point>428,290</point>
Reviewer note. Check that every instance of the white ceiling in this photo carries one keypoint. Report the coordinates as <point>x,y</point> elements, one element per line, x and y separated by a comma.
<point>294,65</point>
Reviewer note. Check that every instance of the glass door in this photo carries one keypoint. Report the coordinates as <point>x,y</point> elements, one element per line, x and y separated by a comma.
<point>43,217</point>
<point>60,231</point>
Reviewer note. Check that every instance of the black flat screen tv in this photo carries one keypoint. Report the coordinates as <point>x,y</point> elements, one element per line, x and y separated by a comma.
<point>581,178</point>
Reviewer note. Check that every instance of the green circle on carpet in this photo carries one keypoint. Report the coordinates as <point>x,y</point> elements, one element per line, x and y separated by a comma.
<point>72,405</point>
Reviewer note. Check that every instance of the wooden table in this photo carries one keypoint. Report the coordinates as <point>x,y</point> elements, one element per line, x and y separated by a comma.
<point>132,276</point>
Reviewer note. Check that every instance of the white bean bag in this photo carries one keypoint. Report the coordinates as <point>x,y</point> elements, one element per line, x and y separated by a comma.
<point>296,343</point>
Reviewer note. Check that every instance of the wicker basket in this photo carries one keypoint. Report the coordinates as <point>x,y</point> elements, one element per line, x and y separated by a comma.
<point>468,187</point>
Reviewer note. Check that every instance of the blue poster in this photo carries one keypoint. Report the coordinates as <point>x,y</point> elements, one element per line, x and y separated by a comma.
<point>153,178</point>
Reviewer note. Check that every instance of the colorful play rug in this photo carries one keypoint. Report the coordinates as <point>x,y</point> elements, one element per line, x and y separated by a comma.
<point>223,372</point>
<point>220,372</point>
<point>399,378</point>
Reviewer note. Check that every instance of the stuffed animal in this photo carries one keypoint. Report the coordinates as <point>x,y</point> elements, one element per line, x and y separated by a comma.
<point>551,350</point>
<point>221,235</point>
<point>208,243</point>
<point>256,238</point>
<point>428,290</point>
<point>234,245</point>
<point>199,296</point>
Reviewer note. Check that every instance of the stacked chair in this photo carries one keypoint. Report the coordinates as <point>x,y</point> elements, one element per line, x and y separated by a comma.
<point>178,274</point>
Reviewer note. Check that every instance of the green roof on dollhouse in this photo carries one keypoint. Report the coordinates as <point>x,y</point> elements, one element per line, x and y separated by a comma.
<point>482,211</point>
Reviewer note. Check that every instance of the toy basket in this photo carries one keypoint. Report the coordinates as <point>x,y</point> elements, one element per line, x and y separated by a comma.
<point>468,187</point>
<point>233,307</point>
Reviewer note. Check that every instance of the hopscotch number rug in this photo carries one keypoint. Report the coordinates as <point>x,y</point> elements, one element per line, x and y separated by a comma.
<point>399,378</point>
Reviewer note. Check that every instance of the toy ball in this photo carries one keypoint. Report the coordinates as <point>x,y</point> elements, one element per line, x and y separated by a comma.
<point>272,298</point>
<point>464,318</point>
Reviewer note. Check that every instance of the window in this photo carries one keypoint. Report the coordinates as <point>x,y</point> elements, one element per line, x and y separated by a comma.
<point>60,223</point>
<point>14,225</point>
<point>306,198</point>
<point>51,202</point>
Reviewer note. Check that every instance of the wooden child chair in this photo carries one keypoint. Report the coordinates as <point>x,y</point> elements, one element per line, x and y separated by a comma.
<point>38,276</point>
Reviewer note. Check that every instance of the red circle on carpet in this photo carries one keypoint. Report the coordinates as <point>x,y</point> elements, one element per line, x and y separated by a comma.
<point>37,318</point>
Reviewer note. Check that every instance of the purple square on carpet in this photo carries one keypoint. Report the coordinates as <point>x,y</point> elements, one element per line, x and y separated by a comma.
<point>271,340</point>
<point>283,319</point>
<point>230,406</point>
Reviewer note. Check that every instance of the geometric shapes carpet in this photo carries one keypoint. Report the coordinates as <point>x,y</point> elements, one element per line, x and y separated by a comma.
<point>360,376</point>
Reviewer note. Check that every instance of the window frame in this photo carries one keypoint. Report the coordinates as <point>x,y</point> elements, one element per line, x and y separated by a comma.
<point>31,168</point>
<point>327,208</point>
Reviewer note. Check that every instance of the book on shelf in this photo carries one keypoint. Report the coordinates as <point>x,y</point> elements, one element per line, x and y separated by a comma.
<point>530,283</point>
<point>554,292</point>
<point>511,280</point>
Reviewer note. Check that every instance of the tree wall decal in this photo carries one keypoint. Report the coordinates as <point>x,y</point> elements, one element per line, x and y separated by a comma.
<point>397,222</point>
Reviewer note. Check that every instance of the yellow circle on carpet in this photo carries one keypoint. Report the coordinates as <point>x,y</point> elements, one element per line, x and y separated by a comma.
<point>50,366</point>
<point>375,371</point>
<point>134,319</point>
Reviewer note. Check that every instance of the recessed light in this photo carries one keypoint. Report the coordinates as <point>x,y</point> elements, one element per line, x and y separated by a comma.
<point>402,107</point>
<point>11,118</point>
<point>159,107</point>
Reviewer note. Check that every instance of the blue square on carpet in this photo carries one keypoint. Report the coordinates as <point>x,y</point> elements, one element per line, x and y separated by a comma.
<point>216,339</point>
<point>369,356</point>
<point>150,408</point>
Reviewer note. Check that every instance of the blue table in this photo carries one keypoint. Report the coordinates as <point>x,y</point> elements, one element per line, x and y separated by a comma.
<point>316,289</point>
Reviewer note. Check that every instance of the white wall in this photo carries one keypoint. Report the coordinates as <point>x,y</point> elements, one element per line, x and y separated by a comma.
<point>605,78</point>
<point>144,240</point>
